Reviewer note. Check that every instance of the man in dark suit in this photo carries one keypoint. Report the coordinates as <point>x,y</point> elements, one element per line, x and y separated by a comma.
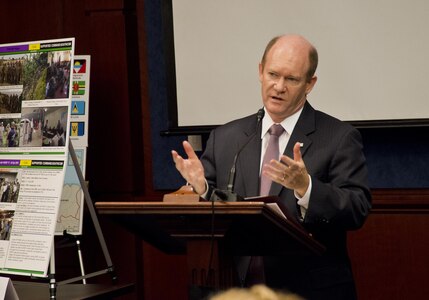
<point>321,178</point>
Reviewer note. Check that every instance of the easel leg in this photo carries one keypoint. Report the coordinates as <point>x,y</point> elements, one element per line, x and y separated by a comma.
<point>79,253</point>
<point>52,282</point>
<point>92,212</point>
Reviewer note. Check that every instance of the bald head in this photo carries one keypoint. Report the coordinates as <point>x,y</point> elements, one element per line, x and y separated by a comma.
<point>295,45</point>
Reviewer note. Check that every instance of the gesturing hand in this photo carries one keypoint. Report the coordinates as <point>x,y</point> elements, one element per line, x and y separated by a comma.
<point>290,173</point>
<point>190,168</point>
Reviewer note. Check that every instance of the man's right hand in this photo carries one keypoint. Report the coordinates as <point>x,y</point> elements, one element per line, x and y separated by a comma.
<point>191,168</point>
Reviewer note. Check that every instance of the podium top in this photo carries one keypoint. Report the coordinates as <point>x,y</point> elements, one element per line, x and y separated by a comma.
<point>246,226</point>
<point>202,207</point>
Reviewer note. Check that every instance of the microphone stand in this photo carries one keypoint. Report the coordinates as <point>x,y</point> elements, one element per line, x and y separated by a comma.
<point>229,195</point>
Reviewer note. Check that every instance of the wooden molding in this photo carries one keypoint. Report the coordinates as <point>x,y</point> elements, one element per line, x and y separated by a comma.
<point>389,200</point>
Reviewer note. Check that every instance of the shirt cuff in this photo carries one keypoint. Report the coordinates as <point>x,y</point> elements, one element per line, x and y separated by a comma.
<point>204,195</point>
<point>304,200</point>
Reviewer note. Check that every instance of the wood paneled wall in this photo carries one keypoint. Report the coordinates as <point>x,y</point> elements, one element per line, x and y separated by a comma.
<point>389,254</point>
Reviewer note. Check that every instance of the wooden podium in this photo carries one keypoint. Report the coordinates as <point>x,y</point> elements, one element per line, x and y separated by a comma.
<point>212,233</point>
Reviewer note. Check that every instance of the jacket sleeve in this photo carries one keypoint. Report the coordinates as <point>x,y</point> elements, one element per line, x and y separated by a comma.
<point>341,198</point>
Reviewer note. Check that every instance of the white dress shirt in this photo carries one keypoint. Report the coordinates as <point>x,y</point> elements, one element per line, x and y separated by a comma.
<point>288,124</point>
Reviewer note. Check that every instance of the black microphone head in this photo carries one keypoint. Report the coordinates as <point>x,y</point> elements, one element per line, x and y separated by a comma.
<point>260,115</point>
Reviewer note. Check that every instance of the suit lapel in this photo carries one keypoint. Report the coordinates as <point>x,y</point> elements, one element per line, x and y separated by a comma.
<point>304,126</point>
<point>248,166</point>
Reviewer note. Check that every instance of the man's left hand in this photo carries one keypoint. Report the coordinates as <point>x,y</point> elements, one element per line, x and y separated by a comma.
<point>291,173</point>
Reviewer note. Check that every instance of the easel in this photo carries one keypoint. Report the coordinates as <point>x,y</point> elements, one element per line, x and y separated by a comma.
<point>110,268</point>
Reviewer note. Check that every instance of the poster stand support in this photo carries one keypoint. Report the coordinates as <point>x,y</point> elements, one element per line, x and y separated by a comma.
<point>73,240</point>
<point>110,268</point>
<point>52,282</point>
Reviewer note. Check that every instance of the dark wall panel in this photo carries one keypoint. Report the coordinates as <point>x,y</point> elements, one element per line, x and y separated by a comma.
<point>109,140</point>
<point>389,255</point>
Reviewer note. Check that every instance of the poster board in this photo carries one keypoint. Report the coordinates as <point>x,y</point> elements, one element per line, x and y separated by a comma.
<point>70,215</point>
<point>35,103</point>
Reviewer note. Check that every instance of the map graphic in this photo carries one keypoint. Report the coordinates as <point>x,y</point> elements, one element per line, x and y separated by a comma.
<point>72,199</point>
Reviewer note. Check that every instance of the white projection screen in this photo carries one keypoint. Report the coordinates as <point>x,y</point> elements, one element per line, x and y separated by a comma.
<point>373,56</point>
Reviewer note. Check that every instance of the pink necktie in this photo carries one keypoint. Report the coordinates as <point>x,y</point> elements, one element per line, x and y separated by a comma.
<point>272,153</point>
<point>255,273</point>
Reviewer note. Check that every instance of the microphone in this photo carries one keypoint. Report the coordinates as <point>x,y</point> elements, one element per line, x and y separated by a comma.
<point>229,194</point>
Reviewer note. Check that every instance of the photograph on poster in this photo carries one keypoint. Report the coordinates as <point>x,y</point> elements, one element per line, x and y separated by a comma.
<point>58,75</point>
<point>10,100</point>
<point>11,69</point>
<point>9,187</point>
<point>37,127</point>
<point>34,76</point>
<point>43,126</point>
<point>55,125</point>
<point>6,220</point>
<point>9,132</point>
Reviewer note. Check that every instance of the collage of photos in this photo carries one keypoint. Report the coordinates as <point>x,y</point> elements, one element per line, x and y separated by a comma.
<point>35,101</point>
<point>31,77</point>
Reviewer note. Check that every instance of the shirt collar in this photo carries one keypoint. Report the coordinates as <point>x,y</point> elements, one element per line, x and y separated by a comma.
<point>288,123</point>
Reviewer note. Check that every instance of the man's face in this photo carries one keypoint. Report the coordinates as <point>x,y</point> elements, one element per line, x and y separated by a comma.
<point>284,85</point>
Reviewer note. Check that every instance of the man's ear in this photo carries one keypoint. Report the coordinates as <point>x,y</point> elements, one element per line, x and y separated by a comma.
<point>310,85</point>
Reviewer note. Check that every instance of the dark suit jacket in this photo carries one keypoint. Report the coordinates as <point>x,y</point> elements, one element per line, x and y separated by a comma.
<point>340,198</point>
